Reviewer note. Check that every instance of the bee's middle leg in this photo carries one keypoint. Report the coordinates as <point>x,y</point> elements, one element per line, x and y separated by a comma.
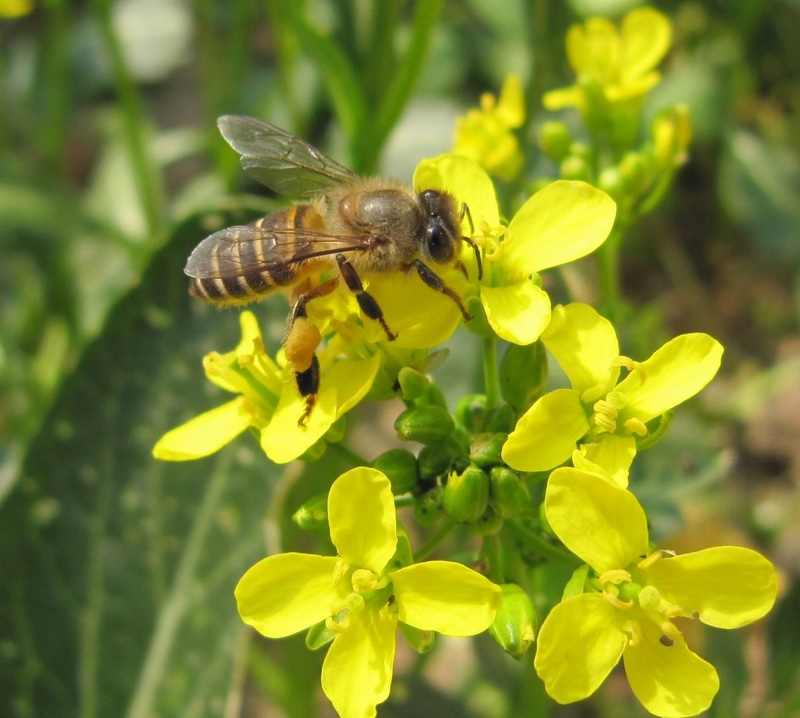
<point>300,346</point>
<point>365,300</point>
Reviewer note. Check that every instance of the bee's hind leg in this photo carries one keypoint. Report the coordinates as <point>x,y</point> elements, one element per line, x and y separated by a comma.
<point>300,346</point>
<point>365,300</point>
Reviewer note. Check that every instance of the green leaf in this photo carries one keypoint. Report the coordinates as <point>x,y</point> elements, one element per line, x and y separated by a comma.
<point>118,570</point>
<point>341,80</point>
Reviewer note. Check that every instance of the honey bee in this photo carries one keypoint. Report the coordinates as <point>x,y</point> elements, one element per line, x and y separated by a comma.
<point>349,226</point>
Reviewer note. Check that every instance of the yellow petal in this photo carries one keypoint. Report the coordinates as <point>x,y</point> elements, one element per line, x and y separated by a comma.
<point>646,38</point>
<point>357,671</point>
<point>251,333</point>
<point>362,518</point>
<point>670,681</point>
<point>571,96</point>
<point>562,222</point>
<point>580,642</point>
<point>283,594</point>
<point>725,586</point>
<point>583,343</point>
<point>601,523</point>
<point>15,8</point>
<point>518,313</point>
<point>466,181</point>
<point>420,316</point>
<point>546,434</point>
<point>614,454</point>
<point>352,379</point>
<point>593,50</point>
<point>205,434</point>
<point>673,374</point>
<point>446,597</point>
<point>282,439</point>
<point>511,107</point>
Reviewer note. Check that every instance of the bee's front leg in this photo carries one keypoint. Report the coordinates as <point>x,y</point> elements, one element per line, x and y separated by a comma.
<point>434,281</point>
<point>300,346</point>
<point>365,300</point>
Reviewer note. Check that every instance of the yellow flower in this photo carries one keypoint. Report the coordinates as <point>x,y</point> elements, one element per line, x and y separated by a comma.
<point>602,413</point>
<point>560,223</point>
<point>632,598</point>
<point>267,401</point>
<point>362,594</point>
<point>616,65</point>
<point>486,136</point>
<point>15,8</point>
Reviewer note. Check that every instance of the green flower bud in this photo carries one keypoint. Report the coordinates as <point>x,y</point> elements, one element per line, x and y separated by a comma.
<point>490,523</point>
<point>313,514</point>
<point>421,641</point>
<point>575,168</point>
<point>315,452</point>
<point>425,424</point>
<point>577,582</point>
<point>434,396</point>
<point>400,467</point>
<point>555,140</point>
<point>471,412</point>
<point>502,418</point>
<point>479,324</point>
<point>508,493</point>
<point>466,495</point>
<point>514,624</point>
<point>337,431</point>
<point>611,182</point>
<point>428,507</point>
<point>319,635</point>
<point>633,170</point>
<point>672,135</point>
<point>413,384</point>
<point>434,460</point>
<point>523,374</point>
<point>485,449</point>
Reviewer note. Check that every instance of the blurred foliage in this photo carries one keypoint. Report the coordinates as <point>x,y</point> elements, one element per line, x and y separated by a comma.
<point>117,572</point>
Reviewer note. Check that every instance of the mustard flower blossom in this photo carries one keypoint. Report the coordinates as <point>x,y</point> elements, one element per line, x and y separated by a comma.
<point>353,353</point>
<point>618,65</point>
<point>15,8</point>
<point>267,400</point>
<point>601,413</point>
<point>485,135</point>
<point>560,223</point>
<point>632,598</point>
<point>362,593</point>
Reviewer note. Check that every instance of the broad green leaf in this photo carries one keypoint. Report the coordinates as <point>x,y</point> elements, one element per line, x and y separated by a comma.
<point>118,570</point>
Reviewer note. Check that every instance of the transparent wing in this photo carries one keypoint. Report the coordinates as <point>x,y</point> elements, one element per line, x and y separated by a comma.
<point>235,251</point>
<point>278,159</point>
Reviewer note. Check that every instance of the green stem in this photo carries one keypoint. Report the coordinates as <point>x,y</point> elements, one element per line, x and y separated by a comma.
<point>491,378</point>
<point>147,179</point>
<point>433,542</point>
<point>541,546</point>
<point>491,552</point>
<point>608,270</point>
<point>53,87</point>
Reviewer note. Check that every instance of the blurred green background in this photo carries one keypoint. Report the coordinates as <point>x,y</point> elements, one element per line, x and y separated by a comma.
<point>116,572</point>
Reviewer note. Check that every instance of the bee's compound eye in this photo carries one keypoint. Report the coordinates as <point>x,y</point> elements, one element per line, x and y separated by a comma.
<point>438,242</point>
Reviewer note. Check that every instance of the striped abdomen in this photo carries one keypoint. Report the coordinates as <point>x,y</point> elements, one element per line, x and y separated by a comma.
<point>242,264</point>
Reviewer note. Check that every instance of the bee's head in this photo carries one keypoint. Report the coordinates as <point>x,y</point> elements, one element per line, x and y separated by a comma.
<point>443,229</point>
<point>442,226</point>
